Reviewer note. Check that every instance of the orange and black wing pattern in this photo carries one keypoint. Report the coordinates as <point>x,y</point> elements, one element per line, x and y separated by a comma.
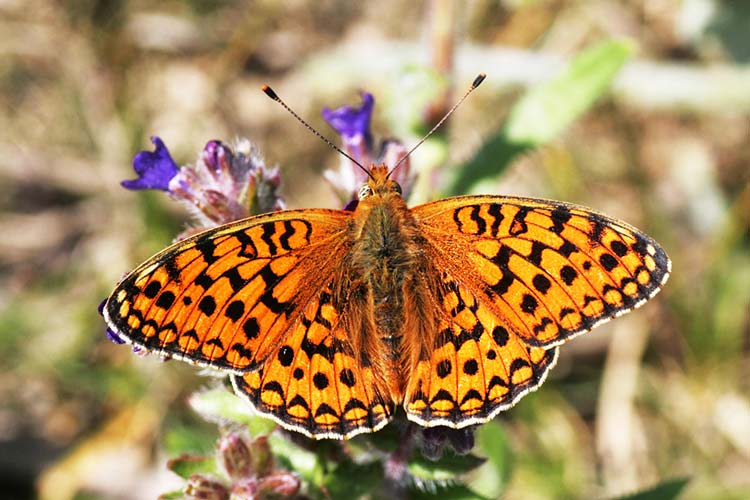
<point>316,382</point>
<point>476,368</point>
<point>519,277</point>
<point>550,270</point>
<point>253,297</point>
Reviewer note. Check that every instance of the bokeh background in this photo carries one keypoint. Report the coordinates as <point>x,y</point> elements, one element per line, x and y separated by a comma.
<point>659,394</point>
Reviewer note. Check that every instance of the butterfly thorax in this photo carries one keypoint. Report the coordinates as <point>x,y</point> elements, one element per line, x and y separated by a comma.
<point>384,257</point>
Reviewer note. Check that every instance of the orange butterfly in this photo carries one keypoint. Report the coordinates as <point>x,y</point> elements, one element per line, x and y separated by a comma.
<point>330,319</point>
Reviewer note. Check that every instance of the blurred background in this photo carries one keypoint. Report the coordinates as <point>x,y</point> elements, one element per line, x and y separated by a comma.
<point>659,394</point>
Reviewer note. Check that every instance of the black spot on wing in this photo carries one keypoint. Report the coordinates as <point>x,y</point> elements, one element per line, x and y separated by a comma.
<point>206,247</point>
<point>267,238</point>
<point>207,305</point>
<point>471,367</point>
<point>567,249</point>
<point>619,248</point>
<point>444,368</point>
<point>165,300</point>
<point>541,283</point>
<point>347,377</point>
<point>320,380</point>
<point>560,216</point>
<point>519,226</point>
<point>236,281</point>
<point>251,328</point>
<point>535,256</point>
<point>568,274</point>
<point>494,210</point>
<point>529,304</point>
<point>235,310</point>
<point>608,262</point>
<point>500,335</point>
<point>286,355</point>
<point>152,289</point>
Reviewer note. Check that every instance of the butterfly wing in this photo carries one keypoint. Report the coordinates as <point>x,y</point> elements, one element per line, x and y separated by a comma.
<point>476,367</point>
<point>317,383</point>
<point>254,296</point>
<point>521,276</point>
<point>551,270</point>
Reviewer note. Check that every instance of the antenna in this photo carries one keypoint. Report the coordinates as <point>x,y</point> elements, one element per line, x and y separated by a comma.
<point>270,93</point>
<point>479,79</point>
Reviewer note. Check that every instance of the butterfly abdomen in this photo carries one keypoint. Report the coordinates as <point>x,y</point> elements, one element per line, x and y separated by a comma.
<point>384,257</point>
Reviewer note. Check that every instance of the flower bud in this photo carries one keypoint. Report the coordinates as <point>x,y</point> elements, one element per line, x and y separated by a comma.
<point>282,484</point>
<point>202,487</point>
<point>235,456</point>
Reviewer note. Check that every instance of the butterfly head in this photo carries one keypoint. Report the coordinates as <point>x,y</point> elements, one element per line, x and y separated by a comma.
<point>379,184</point>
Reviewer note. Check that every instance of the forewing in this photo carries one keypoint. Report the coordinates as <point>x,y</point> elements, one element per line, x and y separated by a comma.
<point>549,270</point>
<point>224,298</point>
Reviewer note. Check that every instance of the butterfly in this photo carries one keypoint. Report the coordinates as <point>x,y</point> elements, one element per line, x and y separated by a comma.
<point>329,320</point>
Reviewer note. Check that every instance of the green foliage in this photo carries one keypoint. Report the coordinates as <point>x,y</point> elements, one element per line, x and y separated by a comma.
<point>220,405</point>
<point>666,490</point>
<point>187,465</point>
<point>350,480</point>
<point>449,467</point>
<point>545,111</point>
<point>491,478</point>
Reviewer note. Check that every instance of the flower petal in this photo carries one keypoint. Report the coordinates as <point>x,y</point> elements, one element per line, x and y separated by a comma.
<point>154,168</point>
<point>111,334</point>
<point>349,121</point>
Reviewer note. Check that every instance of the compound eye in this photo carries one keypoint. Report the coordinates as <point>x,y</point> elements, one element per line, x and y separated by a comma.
<point>397,188</point>
<point>364,192</point>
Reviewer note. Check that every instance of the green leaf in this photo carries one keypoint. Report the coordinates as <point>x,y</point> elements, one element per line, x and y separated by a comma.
<point>219,405</point>
<point>493,476</point>
<point>187,465</point>
<point>350,480</point>
<point>193,438</point>
<point>295,458</point>
<point>450,466</point>
<point>173,495</point>
<point>453,492</point>
<point>546,110</point>
<point>387,440</point>
<point>666,490</point>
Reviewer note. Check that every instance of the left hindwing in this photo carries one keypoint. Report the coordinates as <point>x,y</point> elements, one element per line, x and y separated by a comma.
<point>550,270</point>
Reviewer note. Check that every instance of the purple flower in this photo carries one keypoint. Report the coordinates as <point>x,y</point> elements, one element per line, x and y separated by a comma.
<point>235,456</point>
<point>353,125</point>
<point>203,487</point>
<point>154,168</point>
<point>111,334</point>
<point>225,184</point>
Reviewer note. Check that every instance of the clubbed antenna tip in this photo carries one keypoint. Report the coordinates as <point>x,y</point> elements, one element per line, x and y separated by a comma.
<point>479,79</point>
<point>269,92</point>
